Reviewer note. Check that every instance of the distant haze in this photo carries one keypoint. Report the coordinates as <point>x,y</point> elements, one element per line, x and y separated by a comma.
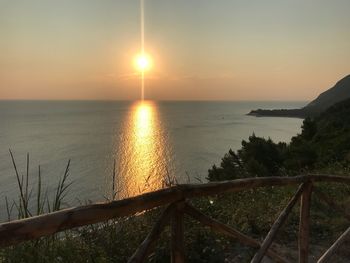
<point>201,49</point>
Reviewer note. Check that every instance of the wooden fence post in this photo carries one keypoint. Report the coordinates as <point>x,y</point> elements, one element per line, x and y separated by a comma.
<point>277,225</point>
<point>327,256</point>
<point>146,247</point>
<point>304,224</point>
<point>229,231</point>
<point>177,234</point>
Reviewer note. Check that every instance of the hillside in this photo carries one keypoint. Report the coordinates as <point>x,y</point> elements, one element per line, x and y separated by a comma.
<point>340,92</point>
<point>323,142</point>
<point>329,136</point>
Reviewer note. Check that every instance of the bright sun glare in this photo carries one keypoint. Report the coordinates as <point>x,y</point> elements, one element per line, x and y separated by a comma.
<point>143,62</point>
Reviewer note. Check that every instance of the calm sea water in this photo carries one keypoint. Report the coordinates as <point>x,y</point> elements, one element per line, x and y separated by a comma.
<point>149,142</point>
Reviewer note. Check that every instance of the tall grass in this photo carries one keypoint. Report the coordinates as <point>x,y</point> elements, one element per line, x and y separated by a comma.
<point>41,203</point>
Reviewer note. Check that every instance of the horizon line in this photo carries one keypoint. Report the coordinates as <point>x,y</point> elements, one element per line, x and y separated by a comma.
<point>156,100</point>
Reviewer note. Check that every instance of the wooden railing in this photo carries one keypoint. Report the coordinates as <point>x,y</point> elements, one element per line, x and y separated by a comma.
<point>175,198</point>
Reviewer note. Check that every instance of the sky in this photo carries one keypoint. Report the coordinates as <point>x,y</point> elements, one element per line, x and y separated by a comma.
<point>201,49</point>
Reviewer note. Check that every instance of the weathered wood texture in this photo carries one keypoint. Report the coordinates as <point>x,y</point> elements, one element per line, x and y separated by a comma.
<point>277,225</point>
<point>229,231</point>
<point>304,224</point>
<point>177,235</point>
<point>327,256</point>
<point>43,225</point>
<point>146,246</point>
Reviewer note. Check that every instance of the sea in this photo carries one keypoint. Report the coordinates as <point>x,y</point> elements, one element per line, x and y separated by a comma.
<point>119,149</point>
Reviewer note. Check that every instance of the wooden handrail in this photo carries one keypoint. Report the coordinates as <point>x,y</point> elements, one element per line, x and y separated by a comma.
<point>43,225</point>
<point>26,229</point>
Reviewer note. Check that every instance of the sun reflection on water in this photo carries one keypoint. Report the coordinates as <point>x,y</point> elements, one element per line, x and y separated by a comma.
<point>143,155</point>
<point>143,122</point>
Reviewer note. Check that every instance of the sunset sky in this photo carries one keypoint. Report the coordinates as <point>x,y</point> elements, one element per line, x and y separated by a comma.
<point>201,49</point>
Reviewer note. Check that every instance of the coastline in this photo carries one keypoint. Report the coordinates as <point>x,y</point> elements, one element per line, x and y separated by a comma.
<point>286,113</point>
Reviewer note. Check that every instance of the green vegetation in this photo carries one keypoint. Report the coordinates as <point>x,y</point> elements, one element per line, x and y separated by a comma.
<point>324,142</point>
<point>323,147</point>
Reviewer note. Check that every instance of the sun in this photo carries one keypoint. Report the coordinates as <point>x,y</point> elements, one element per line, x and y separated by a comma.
<point>143,62</point>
